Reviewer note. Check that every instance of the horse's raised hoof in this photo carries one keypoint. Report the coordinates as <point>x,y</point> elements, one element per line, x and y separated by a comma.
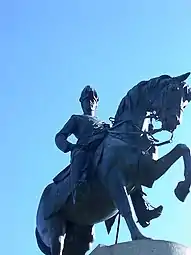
<point>182,190</point>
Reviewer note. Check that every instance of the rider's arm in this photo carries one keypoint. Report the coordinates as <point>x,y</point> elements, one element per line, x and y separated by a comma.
<point>63,134</point>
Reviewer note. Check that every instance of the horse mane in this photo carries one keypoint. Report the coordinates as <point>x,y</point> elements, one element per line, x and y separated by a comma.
<point>149,89</point>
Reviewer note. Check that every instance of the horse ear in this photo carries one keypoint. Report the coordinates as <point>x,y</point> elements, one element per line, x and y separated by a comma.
<point>182,77</point>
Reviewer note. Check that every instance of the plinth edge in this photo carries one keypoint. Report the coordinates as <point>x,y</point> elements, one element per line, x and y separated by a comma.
<point>143,247</point>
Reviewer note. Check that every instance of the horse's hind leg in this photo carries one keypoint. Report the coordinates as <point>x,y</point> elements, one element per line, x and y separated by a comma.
<point>57,245</point>
<point>56,230</point>
<point>78,239</point>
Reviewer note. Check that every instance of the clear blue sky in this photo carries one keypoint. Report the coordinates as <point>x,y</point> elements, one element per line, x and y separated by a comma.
<point>49,50</point>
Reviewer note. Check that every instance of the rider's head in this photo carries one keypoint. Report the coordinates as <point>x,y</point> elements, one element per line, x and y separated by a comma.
<point>89,100</point>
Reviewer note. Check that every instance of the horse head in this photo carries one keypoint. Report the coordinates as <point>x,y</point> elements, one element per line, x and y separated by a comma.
<point>169,104</point>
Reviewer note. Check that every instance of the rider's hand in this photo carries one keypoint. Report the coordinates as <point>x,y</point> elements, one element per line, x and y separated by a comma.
<point>72,146</point>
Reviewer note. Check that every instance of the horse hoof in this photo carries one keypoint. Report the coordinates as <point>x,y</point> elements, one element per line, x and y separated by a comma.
<point>181,191</point>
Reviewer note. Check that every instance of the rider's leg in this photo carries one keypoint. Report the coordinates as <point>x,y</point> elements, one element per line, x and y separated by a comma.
<point>78,165</point>
<point>144,215</point>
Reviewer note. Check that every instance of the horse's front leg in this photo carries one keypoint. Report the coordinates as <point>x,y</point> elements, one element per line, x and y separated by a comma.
<point>114,184</point>
<point>163,164</point>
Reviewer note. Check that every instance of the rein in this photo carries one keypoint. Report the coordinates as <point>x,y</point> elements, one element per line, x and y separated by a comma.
<point>151,131</point>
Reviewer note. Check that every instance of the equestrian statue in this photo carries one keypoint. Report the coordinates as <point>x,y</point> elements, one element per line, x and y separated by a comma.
<point>112,163</point>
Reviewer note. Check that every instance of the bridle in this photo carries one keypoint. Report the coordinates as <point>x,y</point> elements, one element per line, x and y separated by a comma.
<point>151,131</point>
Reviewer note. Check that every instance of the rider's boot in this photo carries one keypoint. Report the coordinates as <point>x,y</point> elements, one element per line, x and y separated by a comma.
<point>144,215</point>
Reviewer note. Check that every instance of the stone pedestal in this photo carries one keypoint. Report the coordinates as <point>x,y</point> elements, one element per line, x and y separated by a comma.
<point>143,247</point>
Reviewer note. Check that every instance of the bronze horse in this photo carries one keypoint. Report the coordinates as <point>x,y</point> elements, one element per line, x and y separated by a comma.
<point>123,162</point>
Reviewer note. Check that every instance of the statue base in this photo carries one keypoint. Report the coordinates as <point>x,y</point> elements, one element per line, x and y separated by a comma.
<point>143,247</point>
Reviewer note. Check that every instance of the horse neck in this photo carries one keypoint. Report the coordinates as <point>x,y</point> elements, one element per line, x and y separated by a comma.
<point>133,109</point>
<point>132,124</point>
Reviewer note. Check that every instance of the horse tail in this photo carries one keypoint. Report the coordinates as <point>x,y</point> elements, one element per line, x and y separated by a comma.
<point>42,246</point>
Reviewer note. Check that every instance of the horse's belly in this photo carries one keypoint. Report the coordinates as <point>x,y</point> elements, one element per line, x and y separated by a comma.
<point>92,205</point>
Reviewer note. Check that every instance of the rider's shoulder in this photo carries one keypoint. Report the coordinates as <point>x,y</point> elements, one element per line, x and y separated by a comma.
<point>76,117</point>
